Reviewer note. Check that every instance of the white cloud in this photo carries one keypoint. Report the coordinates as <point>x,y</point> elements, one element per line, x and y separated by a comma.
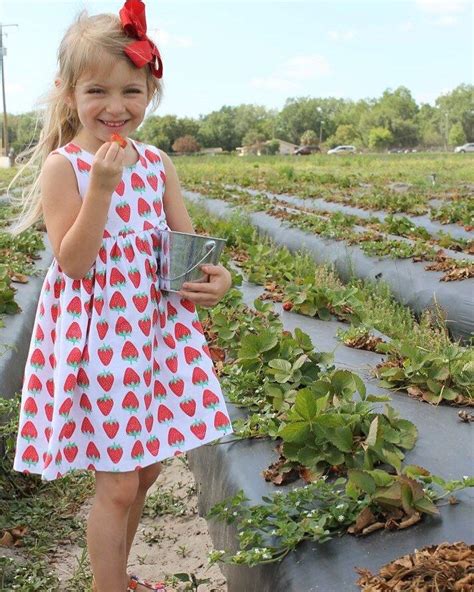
<point>291,73</point>
<point>14,88</point>
<point>446,21</point>
<point>443,7</point>
<point>407,27</point>
<point>341,35</point>
<point>164,38</point>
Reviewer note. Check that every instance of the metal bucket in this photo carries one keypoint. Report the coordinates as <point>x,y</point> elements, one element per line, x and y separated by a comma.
<point>182,255</point>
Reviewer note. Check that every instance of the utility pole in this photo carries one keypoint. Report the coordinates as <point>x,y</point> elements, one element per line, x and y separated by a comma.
<point>3,53</point>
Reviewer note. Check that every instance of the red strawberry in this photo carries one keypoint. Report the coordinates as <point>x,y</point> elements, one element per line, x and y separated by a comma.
<point>146,348</point>
<point>129,253</point>
<point>99,304</point>
<point>83,167</point>
<point>169,340</point>
<point>175,437</point>
<point>143,208</point>
<point>120,189</point>
<point>152,181</point>
<point>191,355</point>
<point>68,430</point>
<point>74,357</point>
<point>149,422</point>
<point>85,403</point>
<point>188,406</point>
<point>130,402</point>
<point>165,415</point>
<point>105,353</point>
<point>37,359</point>
<point>105,404</point>
<point>134,427</point>
<point>158,206</point>
<point>147,375</point>
<point>65,407</point>
<point>159,391</point>
<point>129,352</point>
<point>50,387</point>
<point>70,451</point>
<point>72,149</point>
<point>54,312</point>
<point>70,383</point>
<point>148,397</point>
<point>74,332</point>
<point>117,302</point>
<point>197,325</point>
<point>177,386</point>
<point>117,279</point>
<point>102,254</point>
<point>30,409</point>
<point>188,305</point>
<point>87,427</point>
<point>209,399</point>
<point>74,307</point>
<point>171,310</point>
<point>123,210</point>
<point>34,384</point>
<point>181,332</point>
<point>134,276</point>
<point>145,325</point>
<point>131,378</point>
<point>106,380</point>
<point>199,377</point>
<point>111,427</point>
<point>48,411</point>
<point>29,432</point>
<point>39,334</point>
<point>101,278</point>
<point>172,363</point>
<point>199,429</point>
<point>92,452</point>
<point>152,156</point>
<point>115,453</point>
<point>137,451</point>
<point>115,253</point>
<point>30,456</point>
<point>102,328</point>
<point>82,379</point>
<point>123,327</point>
<point>153,445</point>
<point>140,301</point>
<point>221,421</point>
<point>116,137</point>
<point>137,183</point>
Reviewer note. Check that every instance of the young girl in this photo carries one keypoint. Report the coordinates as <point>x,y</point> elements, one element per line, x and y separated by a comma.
<point>118,374</point>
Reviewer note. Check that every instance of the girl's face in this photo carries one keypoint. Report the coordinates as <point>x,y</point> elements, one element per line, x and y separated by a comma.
<point>116,95</point>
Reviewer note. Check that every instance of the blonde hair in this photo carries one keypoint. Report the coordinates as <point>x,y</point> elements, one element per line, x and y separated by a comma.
<point>77,54</point>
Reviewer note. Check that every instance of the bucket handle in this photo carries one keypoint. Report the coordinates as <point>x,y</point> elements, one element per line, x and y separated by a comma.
<point>212,244</point>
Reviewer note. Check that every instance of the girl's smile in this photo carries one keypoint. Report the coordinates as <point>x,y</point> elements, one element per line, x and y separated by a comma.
<point>115,99</point>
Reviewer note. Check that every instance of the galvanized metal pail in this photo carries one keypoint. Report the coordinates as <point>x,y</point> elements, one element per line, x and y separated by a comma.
<point>182,255</point>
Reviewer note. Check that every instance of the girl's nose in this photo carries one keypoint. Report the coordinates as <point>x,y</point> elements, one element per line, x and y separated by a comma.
<point>115,105</point>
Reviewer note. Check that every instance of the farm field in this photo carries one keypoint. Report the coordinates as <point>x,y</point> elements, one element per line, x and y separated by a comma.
<point>350,401</point>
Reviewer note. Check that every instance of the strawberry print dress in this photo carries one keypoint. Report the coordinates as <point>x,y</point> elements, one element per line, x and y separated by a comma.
<point>119,375</point>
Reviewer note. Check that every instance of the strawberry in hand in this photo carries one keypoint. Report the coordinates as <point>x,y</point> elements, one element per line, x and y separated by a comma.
<point>118,138</point>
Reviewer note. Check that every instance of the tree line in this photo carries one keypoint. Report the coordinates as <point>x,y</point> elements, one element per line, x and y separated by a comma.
<point>394,120</point>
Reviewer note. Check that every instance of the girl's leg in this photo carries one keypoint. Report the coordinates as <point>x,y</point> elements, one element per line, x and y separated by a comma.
<point>107,528</point>
<point>146,476</point>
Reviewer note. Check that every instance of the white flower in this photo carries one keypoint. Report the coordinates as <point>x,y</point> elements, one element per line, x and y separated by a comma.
<point>340,517</point>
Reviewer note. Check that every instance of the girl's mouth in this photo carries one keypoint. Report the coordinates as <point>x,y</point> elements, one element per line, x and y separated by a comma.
<point>113,124</point>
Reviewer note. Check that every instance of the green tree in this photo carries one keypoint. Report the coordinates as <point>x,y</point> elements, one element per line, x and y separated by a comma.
<point>457,135</point>
<point>345,134</point>
<point>309,138</point>
<point>218,129</point>
<point>380,138</point>
<point>186,144</point>
<point>164,131</point>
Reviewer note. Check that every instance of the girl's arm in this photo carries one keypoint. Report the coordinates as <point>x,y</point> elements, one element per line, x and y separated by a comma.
<point>220,281</point>
<point>75,226</point>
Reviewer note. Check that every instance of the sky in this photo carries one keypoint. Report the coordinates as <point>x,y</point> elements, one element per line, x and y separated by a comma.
<point>228,52</point>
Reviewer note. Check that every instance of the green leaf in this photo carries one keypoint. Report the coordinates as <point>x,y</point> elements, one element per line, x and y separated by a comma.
<point>390,457</point>
<point>305,404</point>
<point>371,439</point>
<point>342,438</point>
<point>282,365</point>
<point>297,431</point>
<point>381,478</point>
<point>426,506</point>
<point>252,346</point>
<point>362,480</point>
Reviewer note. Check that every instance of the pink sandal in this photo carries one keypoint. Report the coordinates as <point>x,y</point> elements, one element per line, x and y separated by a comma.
<point>135,581</point>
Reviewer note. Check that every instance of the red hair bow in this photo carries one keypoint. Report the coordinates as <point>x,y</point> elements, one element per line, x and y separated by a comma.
<point>143,51</point>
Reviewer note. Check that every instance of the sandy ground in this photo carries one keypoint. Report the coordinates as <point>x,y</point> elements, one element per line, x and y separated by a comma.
<point>165,545</point>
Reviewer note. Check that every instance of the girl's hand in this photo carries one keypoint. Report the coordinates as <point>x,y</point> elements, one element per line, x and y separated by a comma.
<point>107,167</point>
<point>211,292</point>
